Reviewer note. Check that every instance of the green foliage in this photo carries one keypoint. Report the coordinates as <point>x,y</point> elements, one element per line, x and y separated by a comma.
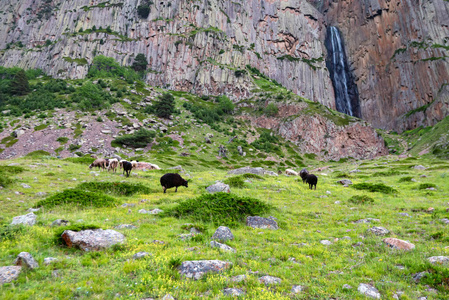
<point>252,176</point>
<point>5,180</point>
<point>79,199</point>
<point>73,147</point>
<point>239,73</point>
<point>57,238</point>
<point>405,179</point>
<point>116,188</point>
<point>424,186</point>
<point>225,105</point>
<point>165,107</point>
<point>374,187</point>
<point>84,160</point>
<point>91,97</point>
<point>361,199</point>
<point>266,142</point>
<point>11,170</point>
<point>139,139</point>
<point>271,110</point>
<point>104,67</point>
<point>40,127</point>
<point>10,232</point>
<point>37,154</point>
<point>140,63</point>
<point>220,209</point>
<point>19,85</point>
<point>144,9</point>
<point>387,173</point>
<point>235,182</point>
<point>62,139</point>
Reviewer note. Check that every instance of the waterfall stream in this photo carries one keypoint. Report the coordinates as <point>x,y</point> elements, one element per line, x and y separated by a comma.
<point>346,94</point>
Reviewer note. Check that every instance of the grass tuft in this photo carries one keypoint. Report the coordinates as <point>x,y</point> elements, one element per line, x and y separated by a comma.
<point>116,188</point>
<point>361,199</point>
<point>424,186</point>
<point>374,187</point>
<point>78,198</point>
<point>235,182</point>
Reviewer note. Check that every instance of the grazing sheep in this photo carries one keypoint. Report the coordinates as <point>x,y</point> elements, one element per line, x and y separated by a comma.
<point>312,180</point>
<point>127,167</point>
<point>120,163</point>
<point>100,163</point>
<point>113,163</point>
<point>170,180</point>
<point>134,163</point>
<point>155,167</point>
<point>304,174</point>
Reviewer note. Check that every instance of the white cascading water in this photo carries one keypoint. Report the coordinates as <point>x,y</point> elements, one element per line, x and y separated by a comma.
<point>340,78</point>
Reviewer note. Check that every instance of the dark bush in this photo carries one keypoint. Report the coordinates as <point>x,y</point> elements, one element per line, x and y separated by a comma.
<point>37,154</point>
<point>78,198</point>
<point>165,107</point>
<point>361,199</point>
<point>220,209</point>
<point>10,232</point>
<point>139,139</point>
<point>252,176</point>
<point>374,187</point>
<point>424,186</point>
<point>84,160</point>
<point>235,182</point>
<point>406,179</point>
<point>116,188</point>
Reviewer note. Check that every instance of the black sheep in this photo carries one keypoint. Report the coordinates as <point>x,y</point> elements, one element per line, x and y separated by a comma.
<point>311,180</point>
<point>170,180</point>
<point>127,167</point>
<point>304,174</point>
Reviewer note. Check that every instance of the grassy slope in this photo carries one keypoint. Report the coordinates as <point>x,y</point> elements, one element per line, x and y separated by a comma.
<point>304,216</point>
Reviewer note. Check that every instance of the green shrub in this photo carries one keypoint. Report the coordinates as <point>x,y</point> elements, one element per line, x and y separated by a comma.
<point>5,180</point>
<point>85,160</point>
<point>62,139</point>
<point>73,147</point>
<point>78,198</point>
<point>11,169</point>
<point>37,154</point>
<point>266,142</point>
<point>424,186</point>
<point>9,232</point>
<point>406,179</point>
<point>219,209</point>
<point>75,227</point>
<point>139,139</point>
<point>252,176</point>
<point>117,188</point>
<point>361,199</point>
<point>374,187</point>
<point>271,110</point>
<point>235,182</point>
<point>339,174</point>
<point>387,173</point>
<point>165,107</point>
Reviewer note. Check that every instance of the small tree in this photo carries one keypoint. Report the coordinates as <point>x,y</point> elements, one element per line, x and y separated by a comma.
<point>143,11</point>
<point>140,63</point>
<point>165,106</point>
<point>19,85</point>
<point>226,105</point>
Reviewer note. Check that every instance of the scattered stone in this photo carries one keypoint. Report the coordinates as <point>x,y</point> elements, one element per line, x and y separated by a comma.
<point>33,209</point>
<point>151,212</point>
<point>326,242</point>
<point>344,182</point>
<point>168,297</point>
<point>233,292</point>
<point>89,240</point>
<point>337,202</point>
<point>140,255</point>
<point>218,187</point>
<point>270,173</point>
<point>367,220</point>
<point>25,259</point>
<point>404,215</point>
<point>194,231</point>
<point>368,290</point>
<point>9,273</point>
<point>399,244</point>
<point>60,222</point>
<point>347,287</point>
<point>296,289</point>
<point>158,242</point>
<point>358,244</point>
<point>442,260</point>
<point>379,230</point>
<point>257,171</point>
<point>419,167</point>
<point>28,219</point>
<point>221,246</point>
<point>186,236</point>
<point>40,194</point>
<point>445,221</point>
<point>238,278</point>
<point>259,222</point>
<point>125,226</point>
<point>355,171</point>
<point>223,233</point>
<point>196,269</point>
<point>49,260</point>
<point>418,276</point>
<point>400,267</point>
<point>269,280</point>
<point>128,205</point>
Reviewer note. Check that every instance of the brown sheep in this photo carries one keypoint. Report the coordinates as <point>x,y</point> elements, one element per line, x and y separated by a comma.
<point>100,163</point>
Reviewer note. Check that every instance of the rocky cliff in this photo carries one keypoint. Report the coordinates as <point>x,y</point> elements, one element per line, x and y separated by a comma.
<point>399,54</point>
<point>190,45</point>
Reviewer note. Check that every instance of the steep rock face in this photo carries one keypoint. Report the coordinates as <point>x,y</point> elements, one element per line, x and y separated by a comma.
<point>190,46</point>
<point>397,50</point>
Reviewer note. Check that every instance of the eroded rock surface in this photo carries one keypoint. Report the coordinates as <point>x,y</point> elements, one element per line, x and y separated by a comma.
<point>96,239</point>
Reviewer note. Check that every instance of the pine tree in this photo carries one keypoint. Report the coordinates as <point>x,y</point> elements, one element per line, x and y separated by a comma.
<point>165,106</point>
<point>140,63</point>
<point>19,85</point>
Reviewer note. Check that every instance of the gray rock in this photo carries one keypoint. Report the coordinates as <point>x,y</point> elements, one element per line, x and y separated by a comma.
<point>445,221</point>
<point>296,289</point>
<point>355,171</point>
<point>9,273</point>
<point>151,212</point>
<point>221,246</point>
<point>25,186</point>
<point>196,269</point>
<point>140,255</point>
<point>218,187</point>
<point>259,222</point>
<point>89,240</point>
<point>419,167</point>
<point>399,244</point>
<point>125,226</point>
<point>326,242</point>
<point>223,233</point>
<point>25,259</point>
<point>368,290</point>
<point>238,278</point>
<point>344,182</point>
<point>379,230</point>
<point>442,260</point>
<point>270,173</point>
<point>168,297</point>
<point>404,215</point>
<point>40,194</point>
<point>49,260</point>
<point>28,219</point>
<point>347,287</point>
<point>60,222</point>
<point>33,209</point>
<point>418,276</point>
<point>233,292</point>
<point>244,170</point>
<point>367,220</point>
<point>269,280</point>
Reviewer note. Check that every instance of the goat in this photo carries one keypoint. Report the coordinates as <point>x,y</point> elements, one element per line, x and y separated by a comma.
<point>100,163</point>
<point>170,180</point>
<point>312,180</point>
<point>113,164</point>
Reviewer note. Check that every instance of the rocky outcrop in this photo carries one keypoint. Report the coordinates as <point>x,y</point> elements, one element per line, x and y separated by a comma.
<point>190,46</point>
<point>397,52</point>
<point>92,240</point>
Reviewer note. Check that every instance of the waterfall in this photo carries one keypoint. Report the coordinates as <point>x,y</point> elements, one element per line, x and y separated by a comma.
<point>346,94</point>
